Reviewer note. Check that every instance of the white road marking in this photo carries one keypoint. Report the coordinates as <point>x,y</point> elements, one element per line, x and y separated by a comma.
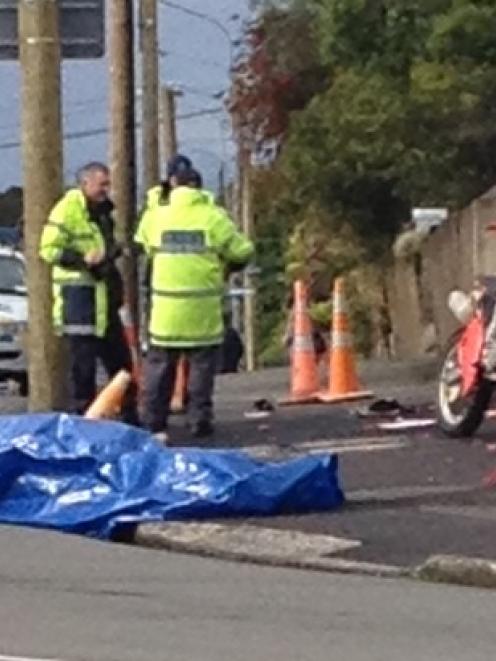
<point>407,424</point>
<point>24,658</point>
<point>377,444</point>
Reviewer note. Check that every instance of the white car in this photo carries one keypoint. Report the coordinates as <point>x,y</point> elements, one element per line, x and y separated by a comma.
<point>13,303</point>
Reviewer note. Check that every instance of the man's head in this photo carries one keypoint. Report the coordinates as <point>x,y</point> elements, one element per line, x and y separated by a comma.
<point>94,181</point>
<point>191,178</point>
<point>195,179</point>
<point>179,169</point>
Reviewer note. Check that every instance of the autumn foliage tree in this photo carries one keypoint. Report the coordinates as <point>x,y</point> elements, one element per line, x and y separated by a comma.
<point>359,110</point>
<point>279,72</point>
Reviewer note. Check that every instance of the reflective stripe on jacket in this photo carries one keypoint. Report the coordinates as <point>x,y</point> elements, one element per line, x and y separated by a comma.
<point>190,240</point>
<point>155,198</point>
<point>80,305</point>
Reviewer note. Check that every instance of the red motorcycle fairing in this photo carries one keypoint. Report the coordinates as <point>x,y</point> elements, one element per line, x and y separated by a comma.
<point>470,347</point>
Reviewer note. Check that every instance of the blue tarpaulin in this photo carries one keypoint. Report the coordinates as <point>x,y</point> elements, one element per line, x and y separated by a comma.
<point>93,478</point>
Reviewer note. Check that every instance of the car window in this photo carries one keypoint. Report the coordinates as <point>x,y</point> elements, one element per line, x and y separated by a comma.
<point>12,274</point>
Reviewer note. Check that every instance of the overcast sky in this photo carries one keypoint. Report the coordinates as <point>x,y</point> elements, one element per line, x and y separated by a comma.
<point>198,58</point>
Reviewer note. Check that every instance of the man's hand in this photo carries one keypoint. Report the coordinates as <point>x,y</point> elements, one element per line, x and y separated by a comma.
<point>94,257</point>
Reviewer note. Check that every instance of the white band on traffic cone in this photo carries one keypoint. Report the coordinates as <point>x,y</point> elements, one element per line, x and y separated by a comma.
<point>341,340</point>
<point>303,343</point>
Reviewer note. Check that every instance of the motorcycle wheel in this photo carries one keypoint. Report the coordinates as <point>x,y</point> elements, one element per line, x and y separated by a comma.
<point>460,416</point>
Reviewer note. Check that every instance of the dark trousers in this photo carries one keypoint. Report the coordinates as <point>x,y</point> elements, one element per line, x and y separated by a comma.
<point>160,376</point>
<point>114,353</point>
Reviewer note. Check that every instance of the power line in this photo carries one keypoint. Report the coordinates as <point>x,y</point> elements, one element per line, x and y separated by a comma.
<point>90,133</point>
<point>75,135</point>
<point>198,14</point>
<point>200,113</point>
<point>199,91</point>
<point>184,56</point>
<point>73,108</point>
<point>209,19</point>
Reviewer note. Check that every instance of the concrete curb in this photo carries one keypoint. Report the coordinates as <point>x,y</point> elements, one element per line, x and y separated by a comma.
<point>458,570</point>
<point>263,546</point>
<point>297,550</point>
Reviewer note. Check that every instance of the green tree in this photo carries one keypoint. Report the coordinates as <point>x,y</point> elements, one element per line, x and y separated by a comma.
<point>405,116</point>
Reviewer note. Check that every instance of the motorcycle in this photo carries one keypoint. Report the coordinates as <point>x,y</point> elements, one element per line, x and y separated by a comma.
<point>465,385</point>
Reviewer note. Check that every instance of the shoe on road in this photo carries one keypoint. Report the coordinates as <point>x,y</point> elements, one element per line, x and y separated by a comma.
<point>202,429</point>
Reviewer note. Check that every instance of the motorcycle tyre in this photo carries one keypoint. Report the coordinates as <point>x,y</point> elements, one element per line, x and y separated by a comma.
<point>475,412</point>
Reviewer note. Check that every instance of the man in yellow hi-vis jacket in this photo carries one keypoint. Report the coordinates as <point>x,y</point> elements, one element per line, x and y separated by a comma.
<point>190,242</point>
<point>78,242</point>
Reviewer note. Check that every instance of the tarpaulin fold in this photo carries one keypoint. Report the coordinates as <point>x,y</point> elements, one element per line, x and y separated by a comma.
<point>94,478</point>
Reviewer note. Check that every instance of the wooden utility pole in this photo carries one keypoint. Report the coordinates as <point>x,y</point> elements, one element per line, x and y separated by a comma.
<point>222,187</point>
<point>149,92</point>
<point>123,141</point>
<point>235,209</point>
<point>169,126</point>
<point>248,284</point>
<point>237,192</point>
<point>42,169</point>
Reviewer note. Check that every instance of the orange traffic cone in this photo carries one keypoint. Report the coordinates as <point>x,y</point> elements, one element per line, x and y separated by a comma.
<point>304,375</point>
<point>179,398</point>
<point>343,380</point>
<point>109,401</point>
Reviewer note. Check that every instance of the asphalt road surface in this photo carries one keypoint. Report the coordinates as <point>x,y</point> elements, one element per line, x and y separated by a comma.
<point>423,493</point>
<point>72,599</point>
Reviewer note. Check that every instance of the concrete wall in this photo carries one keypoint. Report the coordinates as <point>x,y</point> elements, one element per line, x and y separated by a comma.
<point>404,307</point>
<point>450,259</point>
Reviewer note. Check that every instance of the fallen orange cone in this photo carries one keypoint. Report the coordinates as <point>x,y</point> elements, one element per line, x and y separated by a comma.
<point>304,374</point>
<point>343,381</point>
<point>108,402</point>
<point>180,396</point>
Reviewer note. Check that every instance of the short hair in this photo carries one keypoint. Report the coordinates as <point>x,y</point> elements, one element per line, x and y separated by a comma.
<point>91,168</point>
<point>184,178</point>
<point>196,180</point>
<point>177,164</point>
